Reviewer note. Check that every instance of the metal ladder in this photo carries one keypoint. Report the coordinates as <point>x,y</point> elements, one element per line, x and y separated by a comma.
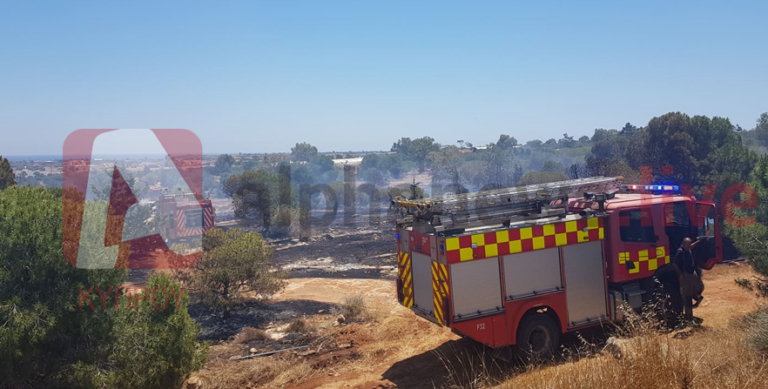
<point>467,210</point>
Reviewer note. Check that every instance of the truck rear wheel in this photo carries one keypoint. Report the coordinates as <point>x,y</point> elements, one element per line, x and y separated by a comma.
<point>537,337</point>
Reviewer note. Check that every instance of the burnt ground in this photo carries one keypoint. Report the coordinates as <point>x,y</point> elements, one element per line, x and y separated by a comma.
<point>253,314</point>
<point>364,250</point>
<point>359,253</point>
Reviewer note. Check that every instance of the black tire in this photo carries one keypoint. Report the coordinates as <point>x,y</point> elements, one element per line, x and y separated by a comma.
<point>537,337</point>
<point>671,304</point>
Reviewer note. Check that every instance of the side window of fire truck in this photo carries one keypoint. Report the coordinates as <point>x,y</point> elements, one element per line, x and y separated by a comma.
<point>676,215</point>
<point>707,226</point>
<point>677,222</point>
<point>194,218</point>
<point>636,226</point>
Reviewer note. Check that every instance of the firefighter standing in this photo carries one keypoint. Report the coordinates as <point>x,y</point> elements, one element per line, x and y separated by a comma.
<point>690,283</point>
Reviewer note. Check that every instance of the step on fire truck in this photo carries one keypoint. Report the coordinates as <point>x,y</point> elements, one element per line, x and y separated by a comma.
<point>521,266</point>
<point>180,217</point>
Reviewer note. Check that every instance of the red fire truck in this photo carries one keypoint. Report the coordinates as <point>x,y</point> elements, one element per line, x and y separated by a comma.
<point>521,266</point>
<point>182,216</point>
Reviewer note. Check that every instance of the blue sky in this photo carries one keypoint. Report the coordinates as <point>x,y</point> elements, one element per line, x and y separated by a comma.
<point>250,76</point>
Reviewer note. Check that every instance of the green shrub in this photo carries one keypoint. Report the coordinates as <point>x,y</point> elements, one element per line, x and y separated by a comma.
<point>234,263</point>
<point>46,337</point>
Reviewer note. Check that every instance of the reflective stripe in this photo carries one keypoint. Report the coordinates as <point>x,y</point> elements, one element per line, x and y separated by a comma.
<point>405,275</point>
<point>437,296</point>
<point>496,243</point>
<point>647,260</point>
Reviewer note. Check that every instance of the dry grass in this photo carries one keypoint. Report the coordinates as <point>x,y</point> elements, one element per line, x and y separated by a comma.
<point>700,358</point>
<point>263,372</point>
<point>758,324</point>
<point>716,359</point>
<point>301,326</point>
<point>249,333</point>
<point>354,309</point>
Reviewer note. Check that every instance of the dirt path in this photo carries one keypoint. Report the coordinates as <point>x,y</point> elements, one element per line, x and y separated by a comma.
<point>723,299</point>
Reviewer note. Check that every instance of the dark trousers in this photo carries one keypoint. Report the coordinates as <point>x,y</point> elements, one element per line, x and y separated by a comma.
<point>687,307</point>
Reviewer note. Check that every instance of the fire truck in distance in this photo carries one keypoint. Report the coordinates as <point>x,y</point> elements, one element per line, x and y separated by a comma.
<point>182,216</point>
<point>521,266</point>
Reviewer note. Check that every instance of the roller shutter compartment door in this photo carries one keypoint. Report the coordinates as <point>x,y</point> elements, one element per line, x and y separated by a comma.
<point>532,273</point>
<point>476,288</point>
<point>584,282</point>
<point>421,266</point>
<point>404,236</point>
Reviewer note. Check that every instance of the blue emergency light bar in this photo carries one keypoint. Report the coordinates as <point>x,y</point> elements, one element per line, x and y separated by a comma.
<point>651,188</point>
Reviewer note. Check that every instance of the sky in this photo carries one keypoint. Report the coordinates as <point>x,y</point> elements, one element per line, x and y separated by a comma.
<point>259,76</point>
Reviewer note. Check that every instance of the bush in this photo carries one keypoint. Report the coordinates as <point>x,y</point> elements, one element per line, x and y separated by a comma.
<point>249,333</point>
<point>257,194</point>
<point>758,335</point>
<point>154,348</point>
<point>374,177</point>
<point>286,221</point>
<point>354,309</point>
<point>234,263</point>
<point>46,337</point>
<point>300,326</point>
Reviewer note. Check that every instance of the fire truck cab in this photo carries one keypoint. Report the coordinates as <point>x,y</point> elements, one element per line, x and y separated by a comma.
<point>521,266</point>
<point>182,216</point>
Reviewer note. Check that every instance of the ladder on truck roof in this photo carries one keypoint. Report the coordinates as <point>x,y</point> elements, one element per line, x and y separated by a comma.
<point>500,206</point>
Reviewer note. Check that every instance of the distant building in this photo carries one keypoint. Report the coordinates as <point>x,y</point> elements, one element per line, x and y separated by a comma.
<point>155,191</point>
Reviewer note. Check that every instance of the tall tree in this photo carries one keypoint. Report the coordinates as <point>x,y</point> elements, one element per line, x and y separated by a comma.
<point>445,164</point>
<point>615,153</point>
<point>224,162</point>
<point>416,150</point>
<point>303,152</point>
<point>700,150</point>
<point>506,142</point>
<point>6,174</point>
<point>761,129</point>
<point>566,141</point>
<point>752,240</point>
<point>256,194</point>
<point>499,170</point>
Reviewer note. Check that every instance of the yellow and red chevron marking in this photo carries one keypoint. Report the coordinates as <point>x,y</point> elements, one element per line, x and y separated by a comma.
<point>491,244</point>
<point>404,272</point>
<point>437,295</point>
<point>400,264</point>
<point>647,260</point>
<point>181,221</point>
<point>445,290</point>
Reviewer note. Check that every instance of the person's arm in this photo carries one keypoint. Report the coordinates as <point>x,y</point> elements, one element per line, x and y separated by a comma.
<point>693,245</point>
